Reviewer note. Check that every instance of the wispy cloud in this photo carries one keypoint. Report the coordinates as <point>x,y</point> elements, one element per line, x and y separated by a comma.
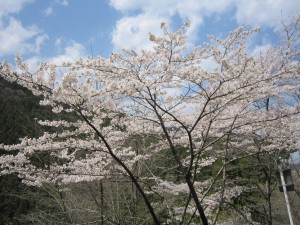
<point>48,11</point>
<point>71,52</point>
<point>12,6</point>
<point>62,2</point>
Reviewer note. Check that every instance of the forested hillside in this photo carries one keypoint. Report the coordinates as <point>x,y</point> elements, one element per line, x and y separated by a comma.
<point>18,110</point>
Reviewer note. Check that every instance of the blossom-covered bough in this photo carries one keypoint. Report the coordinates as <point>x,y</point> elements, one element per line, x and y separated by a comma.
<point>166,96</point>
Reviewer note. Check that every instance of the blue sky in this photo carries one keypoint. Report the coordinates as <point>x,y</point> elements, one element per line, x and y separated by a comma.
<point>57,30</point>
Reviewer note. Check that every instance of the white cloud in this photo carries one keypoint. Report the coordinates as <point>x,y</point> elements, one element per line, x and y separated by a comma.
<point>33,63</point>
<point>39,41</point>
<point>153,6</point>
<point>126,5</point>
<point>71,52</point>
<point>132,32</point>
<point>259,49</point>
<point>17,39</point>
<point>12,6</point>
<point>204,7</point>
<point>48,11</point>
<point>58,42</point>
<point>141,17</point>
<point>209,64</point>
<point>62,2</point>
<point>265,13</point>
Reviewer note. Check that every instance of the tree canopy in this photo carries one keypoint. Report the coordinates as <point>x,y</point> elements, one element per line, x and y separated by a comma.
<point>201,118</point>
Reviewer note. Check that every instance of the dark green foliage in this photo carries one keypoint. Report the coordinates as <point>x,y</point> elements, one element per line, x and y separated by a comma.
<point>18,112</point>
<point>16,108</point>
<point>13,200</point>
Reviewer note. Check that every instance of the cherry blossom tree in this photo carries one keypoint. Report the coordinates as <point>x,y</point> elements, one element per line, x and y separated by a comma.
<point>166,97</point>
